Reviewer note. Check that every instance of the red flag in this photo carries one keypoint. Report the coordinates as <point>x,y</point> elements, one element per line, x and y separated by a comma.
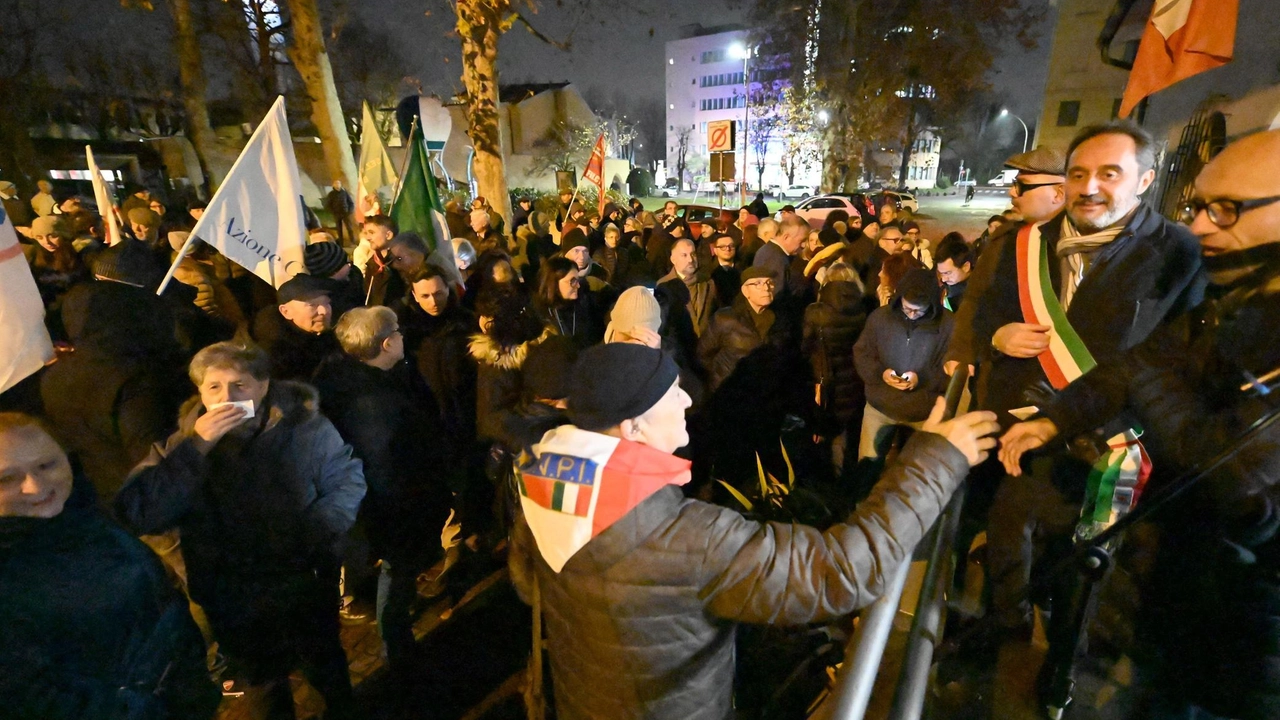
<point>1182,38</point>
<point>594,173</point>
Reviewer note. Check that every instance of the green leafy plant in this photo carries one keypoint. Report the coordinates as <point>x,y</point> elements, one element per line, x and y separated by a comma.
<point>772,491</point>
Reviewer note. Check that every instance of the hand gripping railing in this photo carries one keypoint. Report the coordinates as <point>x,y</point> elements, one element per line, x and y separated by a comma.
<point>862,657</point>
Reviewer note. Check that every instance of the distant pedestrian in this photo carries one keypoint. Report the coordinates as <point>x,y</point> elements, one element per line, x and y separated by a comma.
<point>339,204</point>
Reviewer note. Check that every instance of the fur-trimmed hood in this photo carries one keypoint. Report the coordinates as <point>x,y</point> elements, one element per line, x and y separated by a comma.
<point>287,401</point>
<point>487,351</point>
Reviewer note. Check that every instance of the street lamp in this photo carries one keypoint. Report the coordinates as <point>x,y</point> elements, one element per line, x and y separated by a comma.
<point>1025,133</point>
<point>740,51</point>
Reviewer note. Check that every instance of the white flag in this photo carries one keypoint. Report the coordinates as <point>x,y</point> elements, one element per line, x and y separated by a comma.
<point>255,218</point>
<point>26,346</point>
<point>106,207</point>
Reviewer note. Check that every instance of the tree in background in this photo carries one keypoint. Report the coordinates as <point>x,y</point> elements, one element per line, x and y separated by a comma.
<point>309,56</point>
<point>879,71</point>
<point>683,135</point>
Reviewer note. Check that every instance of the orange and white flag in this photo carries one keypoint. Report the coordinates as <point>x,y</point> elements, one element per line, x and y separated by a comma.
<point>1182,38</point>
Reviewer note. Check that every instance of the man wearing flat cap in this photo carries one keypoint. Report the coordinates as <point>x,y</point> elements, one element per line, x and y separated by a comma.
<point>641,588</point>
<point>297,333</point>
<point>1037,193</point>
<point>1096,278</point>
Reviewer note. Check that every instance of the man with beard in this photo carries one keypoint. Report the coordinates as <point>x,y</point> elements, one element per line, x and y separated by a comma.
<point>1114,269</point>
<point>1195,385</point>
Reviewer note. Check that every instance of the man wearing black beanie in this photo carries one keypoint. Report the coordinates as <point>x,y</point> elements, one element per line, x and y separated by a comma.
<point>641,588</point>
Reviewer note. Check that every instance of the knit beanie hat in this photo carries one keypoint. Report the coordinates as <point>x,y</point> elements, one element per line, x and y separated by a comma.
<point>323,259</point>
<point>636,307</point>
<point>573,238</point>
<point>539,223</point>
<point>548,368</point>
<point>48,225</point>
<point>144,216</point>
<point>128,261</point>
<point>616,382</point>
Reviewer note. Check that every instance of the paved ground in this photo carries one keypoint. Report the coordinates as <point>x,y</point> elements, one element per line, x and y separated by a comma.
<point>473,652</point>
<point>940,215</point>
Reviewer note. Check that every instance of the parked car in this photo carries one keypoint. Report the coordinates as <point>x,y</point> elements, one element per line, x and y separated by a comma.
<point>773,189</point>
<point>670,189</point>
<point>816,209</point>
<point>797,192</point>
<point>905,200</point>
<point>695,215</point>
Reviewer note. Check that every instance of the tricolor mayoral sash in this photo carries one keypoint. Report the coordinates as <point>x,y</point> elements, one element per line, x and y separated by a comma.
<point>1117,478</point>
<point>579,483</point>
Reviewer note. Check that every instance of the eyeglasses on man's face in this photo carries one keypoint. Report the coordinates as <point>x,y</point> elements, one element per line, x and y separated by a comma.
<point>1223,212</point>
<point>758,284</point>
<point>1021,188</point>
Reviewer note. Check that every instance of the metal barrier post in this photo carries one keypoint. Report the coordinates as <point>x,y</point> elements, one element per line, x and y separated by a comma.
<point>862,658</point>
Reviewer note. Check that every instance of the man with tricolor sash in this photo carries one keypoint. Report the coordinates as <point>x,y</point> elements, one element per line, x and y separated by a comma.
<point>1050,301</point>
<point>1210,610</point>
<point>641,588</point>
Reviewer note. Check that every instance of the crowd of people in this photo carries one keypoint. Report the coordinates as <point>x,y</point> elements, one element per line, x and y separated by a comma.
<point>270,445</point>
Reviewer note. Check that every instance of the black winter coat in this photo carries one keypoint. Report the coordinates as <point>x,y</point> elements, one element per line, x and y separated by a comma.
<point>93,629</point>
<point>437,347</point>
<point>831,327</point>
<point>120,390</point>
<point>892,341</point>
<point>1212,603</point>
<point>392,427</point>
<point>1147,273</point>
<point>295,354</point>
<point>733,335</point>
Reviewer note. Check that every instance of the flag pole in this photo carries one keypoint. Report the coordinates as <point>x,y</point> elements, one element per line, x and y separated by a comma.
<point>404,163</point>
<point>182,253</point>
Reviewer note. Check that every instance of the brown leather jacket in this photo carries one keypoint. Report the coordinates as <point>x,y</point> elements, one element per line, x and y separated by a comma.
<point>640,622</point>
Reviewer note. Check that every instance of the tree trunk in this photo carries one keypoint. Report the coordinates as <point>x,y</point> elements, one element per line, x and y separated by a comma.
<point>312,61</point>
<point>191,75</point>
<point>479,28</point>
<point>906,148</point>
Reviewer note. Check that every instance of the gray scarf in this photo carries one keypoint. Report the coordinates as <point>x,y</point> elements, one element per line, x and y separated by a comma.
<point>1075,254</point>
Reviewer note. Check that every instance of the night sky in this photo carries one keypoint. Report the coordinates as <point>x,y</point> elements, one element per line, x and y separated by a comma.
<point>617,49</point>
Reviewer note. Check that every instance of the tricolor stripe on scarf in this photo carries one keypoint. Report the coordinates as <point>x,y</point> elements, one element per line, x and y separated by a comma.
<point>1117,478</point>
<point>580,483</point>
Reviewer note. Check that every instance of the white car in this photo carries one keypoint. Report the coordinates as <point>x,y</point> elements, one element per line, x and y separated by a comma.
<point>797,192</point>
<point>906,200</point>
<point>816,209</point>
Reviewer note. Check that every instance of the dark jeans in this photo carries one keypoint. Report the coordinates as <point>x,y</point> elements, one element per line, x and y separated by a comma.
<point>290,626</point>
<point>1029,515</point>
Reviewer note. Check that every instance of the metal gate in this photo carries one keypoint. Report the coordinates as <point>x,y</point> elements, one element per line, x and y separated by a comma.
<point>1202,138</point>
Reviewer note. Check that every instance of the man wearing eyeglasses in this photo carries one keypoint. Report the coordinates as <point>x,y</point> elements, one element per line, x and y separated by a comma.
<point>1196,385</point>
<point>1038,191</point>
<point>1049,300</point>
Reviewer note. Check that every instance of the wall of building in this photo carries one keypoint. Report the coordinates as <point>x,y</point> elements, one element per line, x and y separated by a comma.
<point>1081,89</point>
<point>922,166</point>
<point>705,83</point>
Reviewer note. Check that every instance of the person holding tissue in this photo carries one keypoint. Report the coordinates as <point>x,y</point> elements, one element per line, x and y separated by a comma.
<point>263,490</point>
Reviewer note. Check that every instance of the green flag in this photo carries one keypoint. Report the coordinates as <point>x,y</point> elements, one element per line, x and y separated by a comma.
<point>417,208</point>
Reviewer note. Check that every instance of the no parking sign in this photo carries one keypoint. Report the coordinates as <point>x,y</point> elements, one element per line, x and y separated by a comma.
<point>720,135</point>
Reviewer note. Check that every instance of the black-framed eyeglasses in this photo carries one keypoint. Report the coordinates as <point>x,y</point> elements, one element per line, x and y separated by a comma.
<point>1022,188</point>
<point>1222,212</point>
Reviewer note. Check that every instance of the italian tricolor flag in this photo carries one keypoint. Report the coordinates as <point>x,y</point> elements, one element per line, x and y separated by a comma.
<point>581,482</point>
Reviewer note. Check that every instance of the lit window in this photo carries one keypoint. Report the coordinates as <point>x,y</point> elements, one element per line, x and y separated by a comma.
<point>671,61</point>
<point>672,106</point>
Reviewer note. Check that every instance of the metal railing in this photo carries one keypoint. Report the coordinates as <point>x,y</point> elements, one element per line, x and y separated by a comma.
<point>863,656</point>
